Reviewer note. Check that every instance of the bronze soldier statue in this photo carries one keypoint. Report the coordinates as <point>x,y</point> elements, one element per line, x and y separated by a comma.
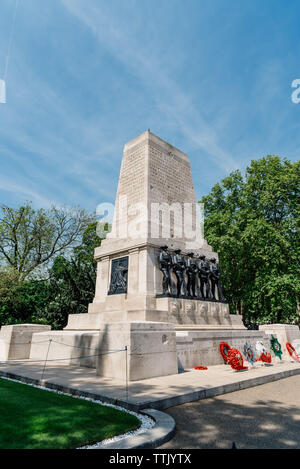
<point>216,281</point>
<point>191,270</point>
<point>179,267</point>
<point>165,264</point>
<point>203,272</point>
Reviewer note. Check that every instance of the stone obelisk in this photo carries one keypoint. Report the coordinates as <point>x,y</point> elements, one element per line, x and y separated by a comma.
<point>155,205</point>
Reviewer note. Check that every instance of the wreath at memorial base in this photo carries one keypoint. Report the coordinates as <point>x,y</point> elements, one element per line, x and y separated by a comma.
<point>200,367</point>
<point>224,349</point>
<point>265,358</point>
<point>249,354</point>
<point>235,360</point>
<point>260,348</point>
<point>292,351</point>
<point>275,346</point>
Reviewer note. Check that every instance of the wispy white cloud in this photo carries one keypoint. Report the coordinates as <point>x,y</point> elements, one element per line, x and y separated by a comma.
<point>118,37</point>
<point>26,193</point>
<point>54,143</point>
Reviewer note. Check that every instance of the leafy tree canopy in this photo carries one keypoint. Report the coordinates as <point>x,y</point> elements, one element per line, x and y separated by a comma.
<point>69,288</point>
<point>253,223</point>
<point>72,281</point>
<point>30,238</point>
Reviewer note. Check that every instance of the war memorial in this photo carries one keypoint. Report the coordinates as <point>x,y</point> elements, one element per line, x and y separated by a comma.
<point>159,287</point>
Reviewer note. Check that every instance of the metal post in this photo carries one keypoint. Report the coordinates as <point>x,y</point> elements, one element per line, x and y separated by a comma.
<point>126,350</point>
<point>50,340</point>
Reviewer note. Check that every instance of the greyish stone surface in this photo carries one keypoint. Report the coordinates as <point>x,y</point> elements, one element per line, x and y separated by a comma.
<point>15,340</point>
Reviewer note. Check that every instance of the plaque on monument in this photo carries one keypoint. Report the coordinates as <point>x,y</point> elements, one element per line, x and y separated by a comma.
<point>118,279</point>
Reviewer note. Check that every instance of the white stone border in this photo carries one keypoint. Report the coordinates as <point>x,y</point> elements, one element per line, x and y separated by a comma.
<point>147,423</point>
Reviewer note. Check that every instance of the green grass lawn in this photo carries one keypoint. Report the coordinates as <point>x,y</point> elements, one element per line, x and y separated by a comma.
<point>32,418</point>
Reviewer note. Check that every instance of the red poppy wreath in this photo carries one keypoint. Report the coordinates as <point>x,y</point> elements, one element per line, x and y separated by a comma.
<point>235,360</point>
<point>224,349</point>
<point>292,351</point>
<point>265,357</point>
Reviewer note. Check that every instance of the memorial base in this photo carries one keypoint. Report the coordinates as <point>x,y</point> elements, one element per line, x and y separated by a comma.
<point>201,348</point>
<point>195,314</point>
<point>151,351</point>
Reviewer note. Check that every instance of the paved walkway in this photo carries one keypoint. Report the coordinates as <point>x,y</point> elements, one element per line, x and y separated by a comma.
<point>159,393</point>
<point>262,417</point>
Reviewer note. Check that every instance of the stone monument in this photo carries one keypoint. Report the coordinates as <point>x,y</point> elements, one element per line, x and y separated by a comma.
<point>158,289</point>
<point>155,193</point>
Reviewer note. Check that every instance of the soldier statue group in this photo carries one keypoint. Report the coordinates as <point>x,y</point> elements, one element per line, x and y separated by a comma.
<point>196,278</point>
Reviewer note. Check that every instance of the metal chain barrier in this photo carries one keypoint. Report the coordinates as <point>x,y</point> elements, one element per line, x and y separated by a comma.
<point>47,360</point>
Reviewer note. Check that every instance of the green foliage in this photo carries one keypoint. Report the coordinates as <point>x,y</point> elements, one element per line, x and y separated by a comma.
<point>8,279</point>
<point>23,301</point>
<point>30,238</point>
<point>69,288</point>
<point>72,281</point>
<point>9,284</point>
<point>253,223</point>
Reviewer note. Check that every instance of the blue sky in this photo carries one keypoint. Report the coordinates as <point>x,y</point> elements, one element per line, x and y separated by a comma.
<point>212,77</point>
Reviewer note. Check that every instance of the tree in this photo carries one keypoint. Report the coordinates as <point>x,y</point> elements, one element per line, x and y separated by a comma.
<point>69,288</point>
<point>8,287</point>
<point>72,281</point>
<point>253,222</point>
<point>30,238</point>
<point>8,278</point>
<point>20,300</point>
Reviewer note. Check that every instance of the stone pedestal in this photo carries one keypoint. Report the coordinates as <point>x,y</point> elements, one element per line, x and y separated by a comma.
<point>185,314</point>
<point>15,340</point>
<point>151,350</point>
